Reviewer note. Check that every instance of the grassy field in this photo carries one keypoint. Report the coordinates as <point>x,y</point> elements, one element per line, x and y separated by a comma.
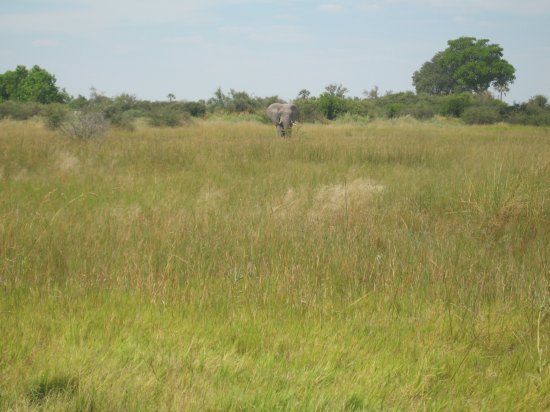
<point>390,266</point>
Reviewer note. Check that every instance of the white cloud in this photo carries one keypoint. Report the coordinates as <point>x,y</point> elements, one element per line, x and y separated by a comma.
<point>526,7</point>
<point>86,16</point>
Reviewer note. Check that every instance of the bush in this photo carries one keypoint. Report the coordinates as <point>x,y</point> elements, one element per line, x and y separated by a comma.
<point>195,109</point>
<point>419,111</point>
<point>455,104</point>
<point>331,105</point>
<point>85,125</point>
<point>19,110</point>
<point>481,115</point>
<point>540,118</point>
<point>54,115</point>
<point>123,120</point>
<point>308,110</point>
<point>393,110</point>
<point>168,116</point>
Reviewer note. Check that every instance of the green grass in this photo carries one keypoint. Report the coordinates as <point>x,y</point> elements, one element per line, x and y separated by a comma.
<point>390,265</point>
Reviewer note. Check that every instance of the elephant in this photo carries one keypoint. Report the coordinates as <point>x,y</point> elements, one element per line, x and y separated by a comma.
<point>283,116</point>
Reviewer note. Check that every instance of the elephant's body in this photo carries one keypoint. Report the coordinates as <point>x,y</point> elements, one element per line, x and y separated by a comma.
<point>283,116</point>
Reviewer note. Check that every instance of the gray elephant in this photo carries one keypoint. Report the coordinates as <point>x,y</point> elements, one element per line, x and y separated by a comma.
<point>283,116</point>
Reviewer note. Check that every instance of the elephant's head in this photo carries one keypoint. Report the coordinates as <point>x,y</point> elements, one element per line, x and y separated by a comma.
<point>283,116</point>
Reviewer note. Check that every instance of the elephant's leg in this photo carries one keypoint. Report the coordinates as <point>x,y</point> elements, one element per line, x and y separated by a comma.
<point>288,131</point>
<point>280,130</point>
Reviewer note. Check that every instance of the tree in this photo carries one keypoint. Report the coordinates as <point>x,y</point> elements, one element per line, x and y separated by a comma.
<point>372,93</point>
<point>538,101</point>
<point>466,65</point>
<point>304,94</point>
<point>39,86</point>
<point>336,90</point>
<point>171,97</point>
<point>433,77</point>
<point>219,100</point>
<point>34,85</point>
<point>241,102</point>
<point>10,83</point>
<point>501,89</point>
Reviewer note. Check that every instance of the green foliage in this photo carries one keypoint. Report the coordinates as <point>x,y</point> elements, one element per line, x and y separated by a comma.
<point>439,98</point>
<point>10,83</point>
<point>466,65</point>
<point>537,102</point>
<point>240,102</point>
<point>331,105</point>
<point>54,115</point>
<point>19,110</point>
<point>308,110</point>
<point>535,112</point>
<point>359,107</point>
<point>434,77</point>
<point>35,85</point>
<point>168,115</point>
<point>120,111</point>
<point>481,115</point>
<point>455,104</point>
<point>78,103</point>
<point>195,109</point>
<point>337,90</point>
<point>420,111</point>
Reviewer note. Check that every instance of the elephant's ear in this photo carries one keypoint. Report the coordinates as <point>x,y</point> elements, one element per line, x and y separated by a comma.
<point>295,113</point>
<point>273,114</point>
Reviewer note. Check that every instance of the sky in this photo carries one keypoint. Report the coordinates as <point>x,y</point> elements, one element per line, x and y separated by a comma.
<point>190,48</point>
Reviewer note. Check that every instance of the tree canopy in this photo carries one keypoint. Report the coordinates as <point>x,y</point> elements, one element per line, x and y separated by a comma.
<point>34,85</point>
<point>466,65</point>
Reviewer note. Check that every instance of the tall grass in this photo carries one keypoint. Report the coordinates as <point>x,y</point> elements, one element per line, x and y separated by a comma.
<point>393,265</point>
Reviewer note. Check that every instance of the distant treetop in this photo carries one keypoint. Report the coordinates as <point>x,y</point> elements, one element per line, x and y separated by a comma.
<point>466,65</point>
<point>34,85</point>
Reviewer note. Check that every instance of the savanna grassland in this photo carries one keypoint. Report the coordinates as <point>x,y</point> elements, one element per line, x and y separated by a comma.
<point>393,265</point>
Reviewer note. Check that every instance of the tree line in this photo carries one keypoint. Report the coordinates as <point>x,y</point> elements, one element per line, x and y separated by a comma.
<point>456,82</point>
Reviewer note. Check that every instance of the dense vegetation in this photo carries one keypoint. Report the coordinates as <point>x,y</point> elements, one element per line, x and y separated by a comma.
<point>123,110</point>
<point>394,265</point>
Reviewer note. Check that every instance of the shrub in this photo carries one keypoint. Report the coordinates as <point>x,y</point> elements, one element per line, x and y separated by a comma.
<point>123,120</point>
<point>420,111</point>
<point>19,110</point>
<point>85,125</point>
<point>54,115</point>
<point>168,116</point>
<point>540,118</point>
<point>455,104</point>
<point>195,109</point>
<point>331,105</point>
<point>308,110</point>
<point>393,110</point>
<point>481,115</point>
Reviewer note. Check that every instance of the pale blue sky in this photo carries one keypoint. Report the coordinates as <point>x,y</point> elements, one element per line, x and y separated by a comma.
<point>264,47</point>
